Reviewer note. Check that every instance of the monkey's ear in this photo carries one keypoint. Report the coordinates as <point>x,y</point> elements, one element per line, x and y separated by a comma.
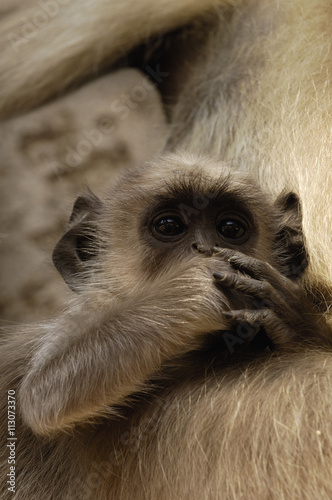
<point>289,239</point>
<point>79,244</point>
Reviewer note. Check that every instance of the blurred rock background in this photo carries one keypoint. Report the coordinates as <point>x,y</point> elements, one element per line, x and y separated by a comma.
<point>47,158</point>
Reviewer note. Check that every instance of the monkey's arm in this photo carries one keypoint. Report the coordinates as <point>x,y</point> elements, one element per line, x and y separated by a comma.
<point>280,305</point>
<point>91,359</point>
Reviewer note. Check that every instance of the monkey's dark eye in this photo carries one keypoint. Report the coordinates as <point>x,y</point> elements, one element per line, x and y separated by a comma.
<point>168,227</point>
<point>234,230</point>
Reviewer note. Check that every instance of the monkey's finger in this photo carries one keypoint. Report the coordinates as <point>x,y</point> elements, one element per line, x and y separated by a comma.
<point>246,322</point>
<point>261,290</point>
<point>257,269</point>
<point>263,271</point>
<point>250,321</point>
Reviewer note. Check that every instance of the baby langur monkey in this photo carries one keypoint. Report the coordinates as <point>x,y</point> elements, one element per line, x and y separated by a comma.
<point>182,248</point>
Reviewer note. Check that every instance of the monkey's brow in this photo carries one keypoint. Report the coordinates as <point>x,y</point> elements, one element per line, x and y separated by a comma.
<point>190,194</point>
<point>184,189</point>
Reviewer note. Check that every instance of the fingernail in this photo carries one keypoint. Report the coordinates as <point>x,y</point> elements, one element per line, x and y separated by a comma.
<point>218,276</point>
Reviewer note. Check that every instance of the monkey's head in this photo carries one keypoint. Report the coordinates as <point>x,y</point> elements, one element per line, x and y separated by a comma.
<point>175,209</point>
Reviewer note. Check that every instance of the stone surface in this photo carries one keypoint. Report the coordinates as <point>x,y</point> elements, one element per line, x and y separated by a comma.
<point>47,158</point>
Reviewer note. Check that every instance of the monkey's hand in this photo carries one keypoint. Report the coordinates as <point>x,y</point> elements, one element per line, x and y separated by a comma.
<point>100,352</point>
<point>276,304</point>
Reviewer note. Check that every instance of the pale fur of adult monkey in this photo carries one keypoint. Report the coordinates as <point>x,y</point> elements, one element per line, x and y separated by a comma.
<point>257,90</point>
<point>113,401</point>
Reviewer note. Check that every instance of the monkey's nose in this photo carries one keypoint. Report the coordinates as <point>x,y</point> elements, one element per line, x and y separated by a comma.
<point>196,247</point>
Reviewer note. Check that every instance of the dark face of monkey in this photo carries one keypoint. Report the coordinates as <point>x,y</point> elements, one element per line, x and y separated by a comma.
<point>193,215</point>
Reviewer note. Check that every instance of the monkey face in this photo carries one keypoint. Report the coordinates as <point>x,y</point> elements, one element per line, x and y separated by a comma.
<point>176,209</point>
<point>176,230</point>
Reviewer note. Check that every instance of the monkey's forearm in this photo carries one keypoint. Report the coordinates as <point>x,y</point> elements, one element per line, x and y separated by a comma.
<point>80,370</point>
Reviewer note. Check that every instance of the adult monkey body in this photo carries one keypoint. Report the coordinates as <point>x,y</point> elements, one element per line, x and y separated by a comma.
<point>258,91</point>
<point>180,252</point>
